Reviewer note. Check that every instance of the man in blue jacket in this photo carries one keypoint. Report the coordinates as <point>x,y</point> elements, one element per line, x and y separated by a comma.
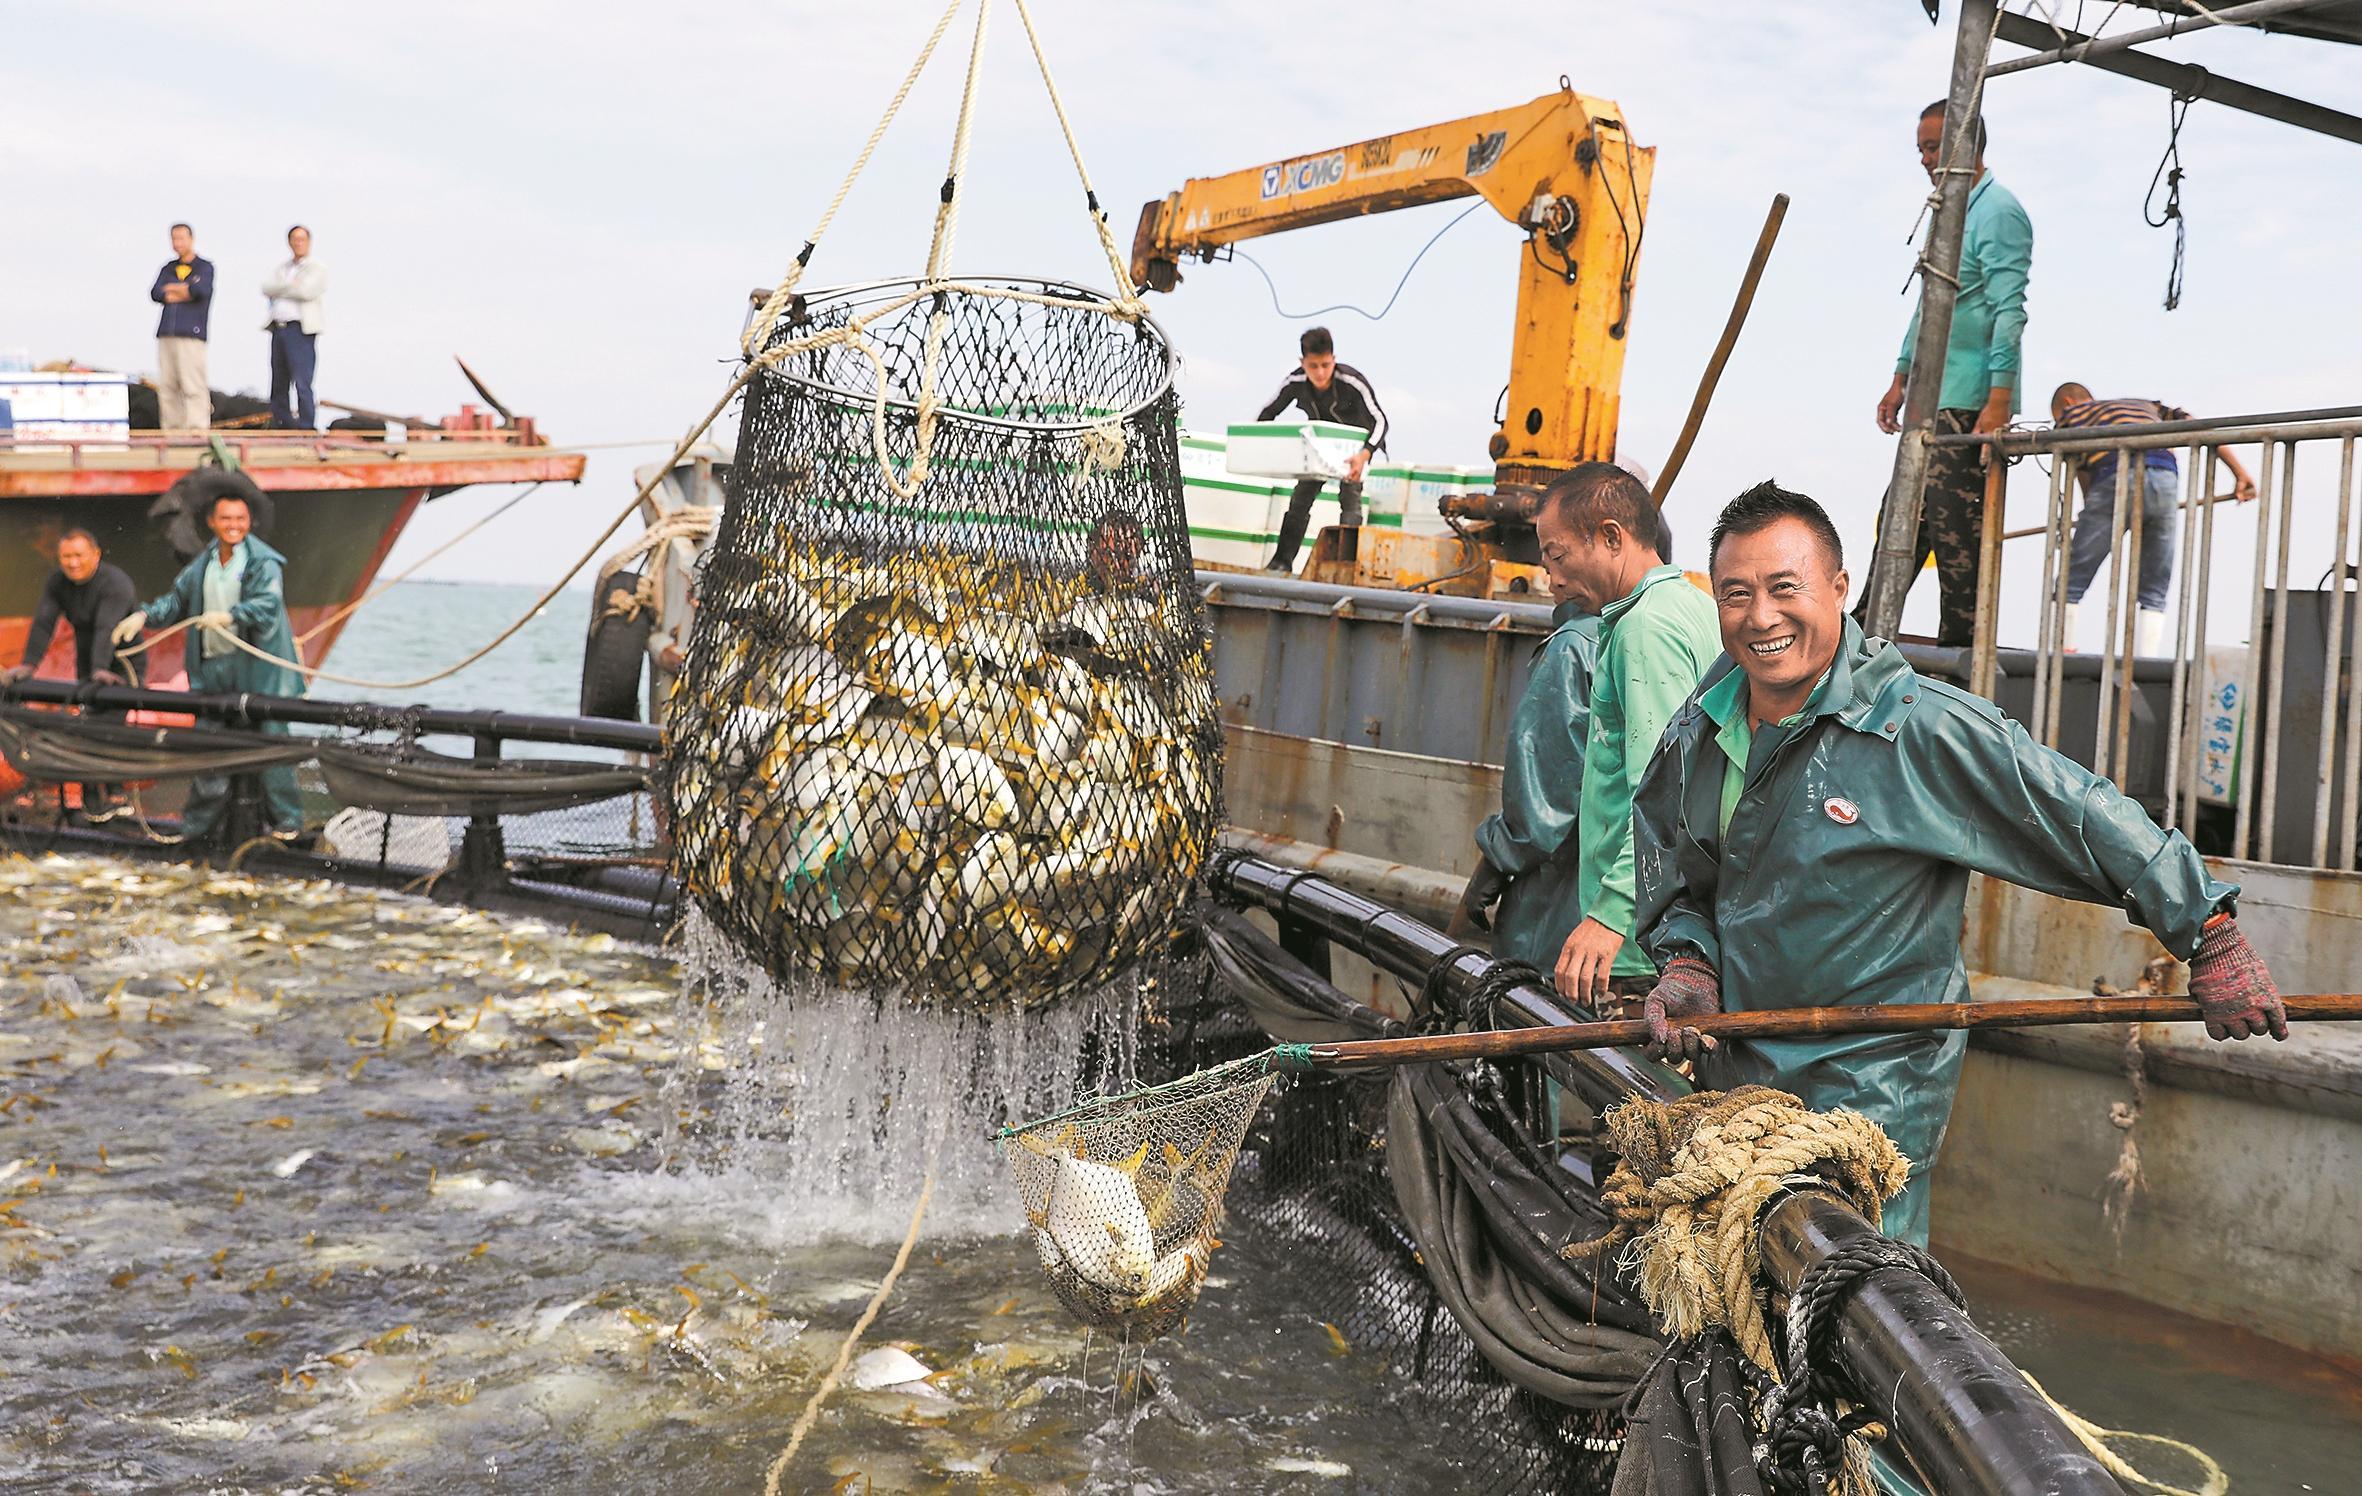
<point>234,591</point>
<point>1979,387</point>
<point>184,288</point>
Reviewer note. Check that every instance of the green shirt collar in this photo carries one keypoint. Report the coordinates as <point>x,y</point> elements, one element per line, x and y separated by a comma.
<point>1663,571</point>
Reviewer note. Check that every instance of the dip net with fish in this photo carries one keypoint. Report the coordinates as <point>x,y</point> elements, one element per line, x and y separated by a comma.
<point>1123,1193</point>
<point>947,730</point>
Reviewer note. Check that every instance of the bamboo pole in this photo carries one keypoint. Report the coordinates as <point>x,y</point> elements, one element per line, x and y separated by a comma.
<point>1796,1023</point>
<point>1722,349</point>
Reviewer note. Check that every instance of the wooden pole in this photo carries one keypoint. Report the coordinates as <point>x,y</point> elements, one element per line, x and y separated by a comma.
<point>1797,1023</point>
<point>1722,350</point>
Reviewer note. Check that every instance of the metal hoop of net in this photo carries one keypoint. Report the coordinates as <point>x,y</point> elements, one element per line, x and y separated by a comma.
<point>947,729</point>
<point>1124,1194</point>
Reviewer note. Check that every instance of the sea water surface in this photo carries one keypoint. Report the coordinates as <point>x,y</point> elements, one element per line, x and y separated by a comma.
<point>310,1188</point>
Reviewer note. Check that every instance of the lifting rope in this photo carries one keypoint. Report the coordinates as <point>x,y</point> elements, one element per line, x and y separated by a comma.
<point>1125,305</point>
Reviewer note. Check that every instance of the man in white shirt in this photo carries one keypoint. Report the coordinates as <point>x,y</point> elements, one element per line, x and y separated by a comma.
<point>295,290</point>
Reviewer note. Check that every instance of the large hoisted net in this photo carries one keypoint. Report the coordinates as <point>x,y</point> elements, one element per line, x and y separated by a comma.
<point>947,732</point>
<point>959,743</point>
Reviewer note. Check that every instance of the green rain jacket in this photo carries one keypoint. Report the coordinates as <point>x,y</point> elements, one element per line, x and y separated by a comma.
<point>261,617</point>
<point>1653,646</point>
<point>1843,876</point>
<point>1532,839</point>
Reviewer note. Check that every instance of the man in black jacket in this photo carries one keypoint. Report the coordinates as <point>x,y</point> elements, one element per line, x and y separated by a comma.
<point>91,597</point>
<point>1325,390</point>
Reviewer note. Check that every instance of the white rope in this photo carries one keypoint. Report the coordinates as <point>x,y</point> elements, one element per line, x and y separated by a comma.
<point>772,308</point>
<point>811,1413</point>
<point>407,572</point>
<point>688,525</point>
<point>947,222</point>
<point>1127,295</point>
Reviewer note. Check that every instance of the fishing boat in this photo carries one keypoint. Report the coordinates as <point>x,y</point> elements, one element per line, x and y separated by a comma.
<point>341,499</point>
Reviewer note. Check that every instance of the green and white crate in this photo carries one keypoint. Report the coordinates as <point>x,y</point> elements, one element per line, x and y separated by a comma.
<point>1293,449</point>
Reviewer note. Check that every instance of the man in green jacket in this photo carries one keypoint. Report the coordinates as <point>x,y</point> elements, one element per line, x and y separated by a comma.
<point>1602,544</point>
<point>1979,392</point>
<point>235,587</point>
<point>1806,833</point>
<point>1527,852</point>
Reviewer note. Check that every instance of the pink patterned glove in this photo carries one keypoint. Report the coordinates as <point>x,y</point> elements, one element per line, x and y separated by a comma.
<point>2231,987</point>
<point>1688,988</point>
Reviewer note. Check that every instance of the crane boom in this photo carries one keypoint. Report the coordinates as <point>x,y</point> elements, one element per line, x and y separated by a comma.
<point>1561,167</point>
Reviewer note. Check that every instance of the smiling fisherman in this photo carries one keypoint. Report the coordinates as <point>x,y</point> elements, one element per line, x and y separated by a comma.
<point>1805,834</point>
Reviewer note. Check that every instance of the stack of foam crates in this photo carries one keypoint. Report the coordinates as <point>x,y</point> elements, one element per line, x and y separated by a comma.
<point>45,408</point>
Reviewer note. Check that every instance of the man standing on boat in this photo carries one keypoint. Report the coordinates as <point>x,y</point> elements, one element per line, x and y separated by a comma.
<point>295,290</point>
<point>1325,390</point>
<point>184,288</point>
<point>1603,547</point>
<point>234,591</point>
<point>1979,387</point>
<point>1805,835</point>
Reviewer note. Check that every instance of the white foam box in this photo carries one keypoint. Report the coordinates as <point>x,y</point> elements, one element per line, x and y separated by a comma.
<point>88,433</point>
<point>1385,493</point>
<point>1204,454</point>
<point>1429,484</point>
<point>1293,449</point>
<point>1232,520</point>
<point>67,397</point>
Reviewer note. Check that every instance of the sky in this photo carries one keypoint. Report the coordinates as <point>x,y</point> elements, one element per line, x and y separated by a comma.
<point>576,197</point>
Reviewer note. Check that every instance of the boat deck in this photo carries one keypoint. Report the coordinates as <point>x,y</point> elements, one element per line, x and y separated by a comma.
<point>150,462</point>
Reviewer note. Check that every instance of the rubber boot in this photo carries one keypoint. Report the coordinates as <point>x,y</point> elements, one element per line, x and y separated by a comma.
<point>2149,635</point>
<point>2067,629</point>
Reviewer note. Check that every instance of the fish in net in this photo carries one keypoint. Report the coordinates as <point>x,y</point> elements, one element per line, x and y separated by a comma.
<point>948,727</point>
<point>1124,1193</point>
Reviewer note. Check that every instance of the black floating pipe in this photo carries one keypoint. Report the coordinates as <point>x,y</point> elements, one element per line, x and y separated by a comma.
<point>1412,951</point>
<point>1968,1417</point>
<point>520,727</point>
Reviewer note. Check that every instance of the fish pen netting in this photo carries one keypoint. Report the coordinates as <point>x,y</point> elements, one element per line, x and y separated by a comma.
<point>948,728</point>
<point>1312,1178</point>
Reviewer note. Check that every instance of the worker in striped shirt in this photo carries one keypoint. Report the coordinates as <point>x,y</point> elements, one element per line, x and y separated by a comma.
<point>2156,488</point>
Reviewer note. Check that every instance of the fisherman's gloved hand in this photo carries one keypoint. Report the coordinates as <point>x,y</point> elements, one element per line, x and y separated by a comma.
<point>106,678</point>
<point>129,628</point>
<point>1688,988</point>
<point>217,620</point>
<point>15,673</point>
<point>1484,889</point>
<point>2231,987</point>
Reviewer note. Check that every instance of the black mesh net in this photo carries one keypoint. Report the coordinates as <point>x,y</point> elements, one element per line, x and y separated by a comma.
<point>948,727</point>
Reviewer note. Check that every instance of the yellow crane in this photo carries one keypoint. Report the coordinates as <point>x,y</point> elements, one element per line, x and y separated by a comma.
<point>1563,168</point>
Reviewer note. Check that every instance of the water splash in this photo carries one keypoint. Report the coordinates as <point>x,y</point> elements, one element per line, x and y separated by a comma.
<point>830,1103</point>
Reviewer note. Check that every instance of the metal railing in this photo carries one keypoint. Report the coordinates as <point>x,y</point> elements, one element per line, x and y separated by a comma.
<point>2247,740</point>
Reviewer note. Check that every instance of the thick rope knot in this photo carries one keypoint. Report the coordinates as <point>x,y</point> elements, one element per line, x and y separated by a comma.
<point>1691,1180</point>
<point>1692,1176</point>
